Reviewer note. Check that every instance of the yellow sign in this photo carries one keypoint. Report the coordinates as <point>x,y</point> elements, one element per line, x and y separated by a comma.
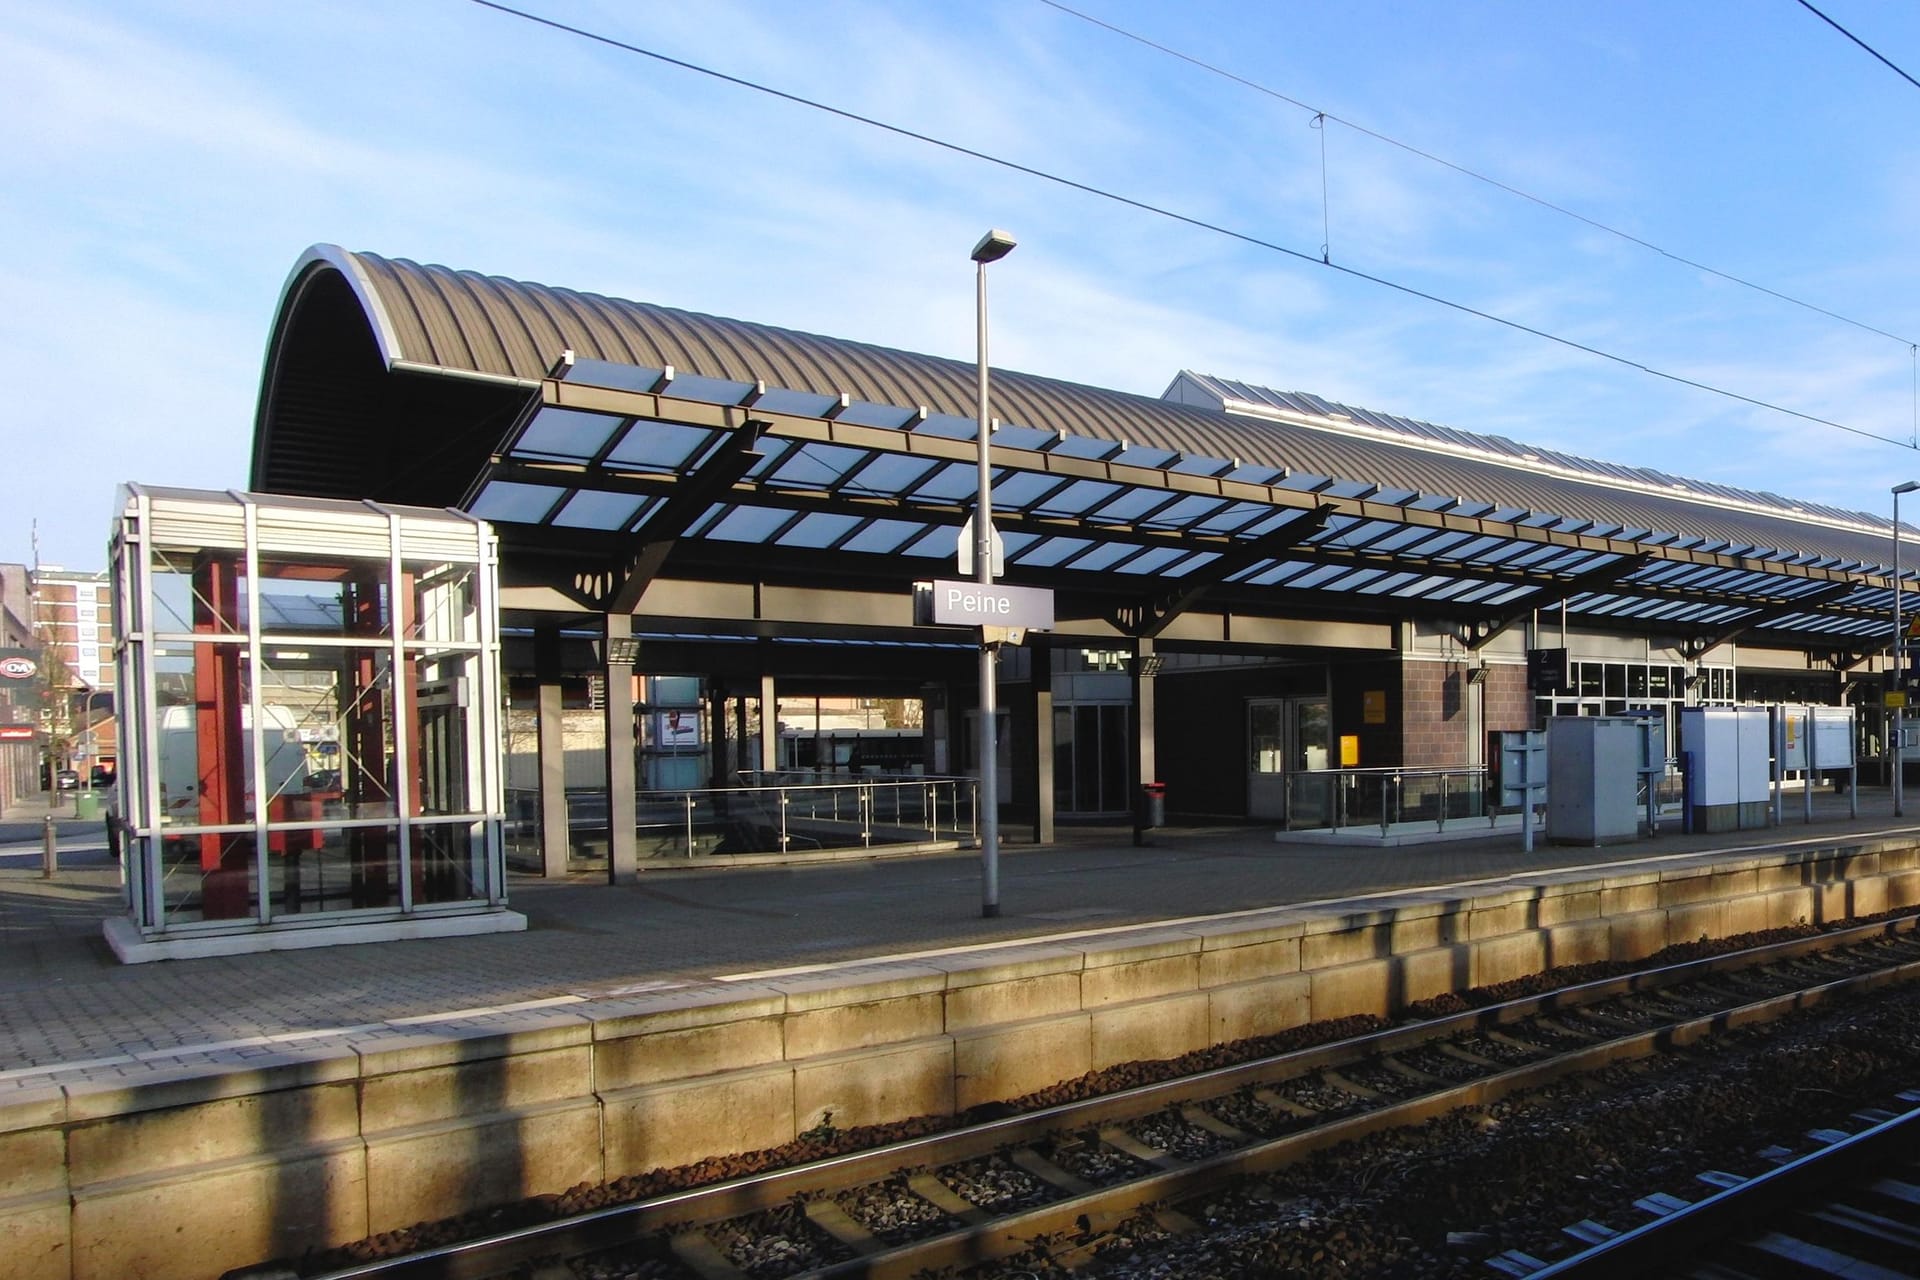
<point>1349,751</point>
<point>1373,706</point>
<point>1894,698</point>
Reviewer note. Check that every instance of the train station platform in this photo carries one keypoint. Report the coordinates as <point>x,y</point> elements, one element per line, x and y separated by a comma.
<point>67,1007</point>
<point>338,1092</point>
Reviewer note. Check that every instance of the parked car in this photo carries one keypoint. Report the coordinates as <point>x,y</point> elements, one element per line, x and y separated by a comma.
<point>67,780</point>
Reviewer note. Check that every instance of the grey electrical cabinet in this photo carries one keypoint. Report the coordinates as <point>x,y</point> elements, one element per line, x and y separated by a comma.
<point>1593,779</point>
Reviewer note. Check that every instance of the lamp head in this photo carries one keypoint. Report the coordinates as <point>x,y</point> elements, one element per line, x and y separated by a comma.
<point>1907,486</point>
<point>996,245</point>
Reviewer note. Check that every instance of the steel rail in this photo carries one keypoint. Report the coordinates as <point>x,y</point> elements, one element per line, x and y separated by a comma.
<point>1658,1247</point>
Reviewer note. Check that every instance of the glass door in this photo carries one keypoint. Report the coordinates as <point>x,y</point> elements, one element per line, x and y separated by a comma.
<point>1090,759</point>
<point>1289,750</point>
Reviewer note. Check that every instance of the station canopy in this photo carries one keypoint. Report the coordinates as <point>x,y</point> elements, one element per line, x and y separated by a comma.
<point>623,440</point>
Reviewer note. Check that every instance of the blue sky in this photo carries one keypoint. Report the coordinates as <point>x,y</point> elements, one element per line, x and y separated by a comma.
<point>167,163</point>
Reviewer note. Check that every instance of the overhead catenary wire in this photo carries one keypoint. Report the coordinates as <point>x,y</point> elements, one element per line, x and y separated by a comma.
<point>1843,31</point>
<point>1202,224</point>
<point>1322,118</point>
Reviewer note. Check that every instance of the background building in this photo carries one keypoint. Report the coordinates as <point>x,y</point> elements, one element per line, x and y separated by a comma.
<point>20,687</point>
<point>73,626</point>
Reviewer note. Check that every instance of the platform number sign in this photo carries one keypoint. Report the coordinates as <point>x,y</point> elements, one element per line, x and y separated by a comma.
<point>1547,671</point>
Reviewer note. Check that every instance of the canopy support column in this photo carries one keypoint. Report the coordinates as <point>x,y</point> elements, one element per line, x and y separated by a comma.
<point>556,839</point>
<point>623,863</point>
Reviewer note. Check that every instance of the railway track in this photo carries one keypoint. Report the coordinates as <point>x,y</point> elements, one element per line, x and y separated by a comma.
<point>1850,1207</point>
<point>1083,1175</point>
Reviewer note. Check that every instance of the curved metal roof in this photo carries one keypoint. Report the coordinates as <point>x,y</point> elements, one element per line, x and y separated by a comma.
<point>435,319</point>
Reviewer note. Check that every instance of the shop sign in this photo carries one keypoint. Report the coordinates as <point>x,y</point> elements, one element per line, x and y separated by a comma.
<point>16,667</point>
<point>17,732</point>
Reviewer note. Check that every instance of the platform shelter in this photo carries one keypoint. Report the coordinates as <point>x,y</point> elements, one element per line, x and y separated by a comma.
<point>1284,609</point>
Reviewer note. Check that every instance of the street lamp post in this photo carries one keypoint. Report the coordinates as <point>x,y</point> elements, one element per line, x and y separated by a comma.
<point>993,246</point>
<point>1899,657</point>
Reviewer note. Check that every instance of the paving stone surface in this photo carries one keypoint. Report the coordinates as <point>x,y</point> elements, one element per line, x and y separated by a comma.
<point>67,1008</point>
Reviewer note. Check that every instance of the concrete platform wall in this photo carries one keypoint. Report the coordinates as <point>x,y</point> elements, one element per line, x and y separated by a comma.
<point>237,1158</point>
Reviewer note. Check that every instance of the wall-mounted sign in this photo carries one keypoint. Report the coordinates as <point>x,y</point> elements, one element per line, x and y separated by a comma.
<point>16,733</point>
<point>1547,671</point>
<point>18,668</point>
<point>1373,706</point>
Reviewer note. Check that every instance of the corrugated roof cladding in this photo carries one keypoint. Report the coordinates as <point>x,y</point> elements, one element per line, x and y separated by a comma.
<point>464,322</point>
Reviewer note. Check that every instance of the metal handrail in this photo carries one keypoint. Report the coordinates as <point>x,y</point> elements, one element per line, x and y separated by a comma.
<point>833,811</point>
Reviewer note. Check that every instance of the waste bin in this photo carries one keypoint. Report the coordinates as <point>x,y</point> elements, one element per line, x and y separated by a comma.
<point>1153,804</point>
<point>86,804</point>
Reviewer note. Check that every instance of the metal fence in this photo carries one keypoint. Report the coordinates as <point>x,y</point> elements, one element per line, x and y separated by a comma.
<point>1402,799</point>
<point>771,813</point>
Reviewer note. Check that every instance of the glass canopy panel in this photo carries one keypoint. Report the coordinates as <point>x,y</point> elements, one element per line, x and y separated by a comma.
<point>659,446</point>
<point>816,466</point>
<point>951,483</point>
<point>1013,436</point>
<point>1352,533</point>
<point>1232,518</point>
<point>1276,573</point>
<point>1052,551</point>
<point>948,427</point>
<point>890,474</point>
<point>801,404</point>
<point>1086,448</point>
<point>883,537</point>
<point>1319,576</point>
<point>818,529</point>
<point>1018,490</point>
<point>1254,474</point>
<point>1077,498</point>
<point>1187,511</point>
<point>1451,588</point>
<point>1131,504</point>
<point>1103,555</point>
<point>1444,544</point>
<point>866,413</point>
<point>1141,455</point>
<point>1278,519</point>
<point>1351,580</point>
<point>509,502</point>
<point>1201,465</point>
<point>1153,560</point>
<point>1392,582</point>
<point>616,377</point>
<point>749,524</point>
<point>567,433</point>
<point>1501,552</point>
<point>598,509</point>
<point>1198,560</point>
<point>1401,538</point>
<point>939,541</point>
<point>694,386</point>
<point>1014,541</point>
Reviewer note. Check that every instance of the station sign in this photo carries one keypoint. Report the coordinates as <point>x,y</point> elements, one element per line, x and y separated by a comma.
<point>1547,671</point>
<point>17,733</point>
<point>950,603</point>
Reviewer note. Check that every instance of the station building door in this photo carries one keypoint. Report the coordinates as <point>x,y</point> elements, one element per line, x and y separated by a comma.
<point>1289,750</point>
<point>1092,753</point>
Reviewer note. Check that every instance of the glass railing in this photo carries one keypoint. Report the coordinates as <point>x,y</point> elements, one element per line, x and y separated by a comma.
<point>771,813</point>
